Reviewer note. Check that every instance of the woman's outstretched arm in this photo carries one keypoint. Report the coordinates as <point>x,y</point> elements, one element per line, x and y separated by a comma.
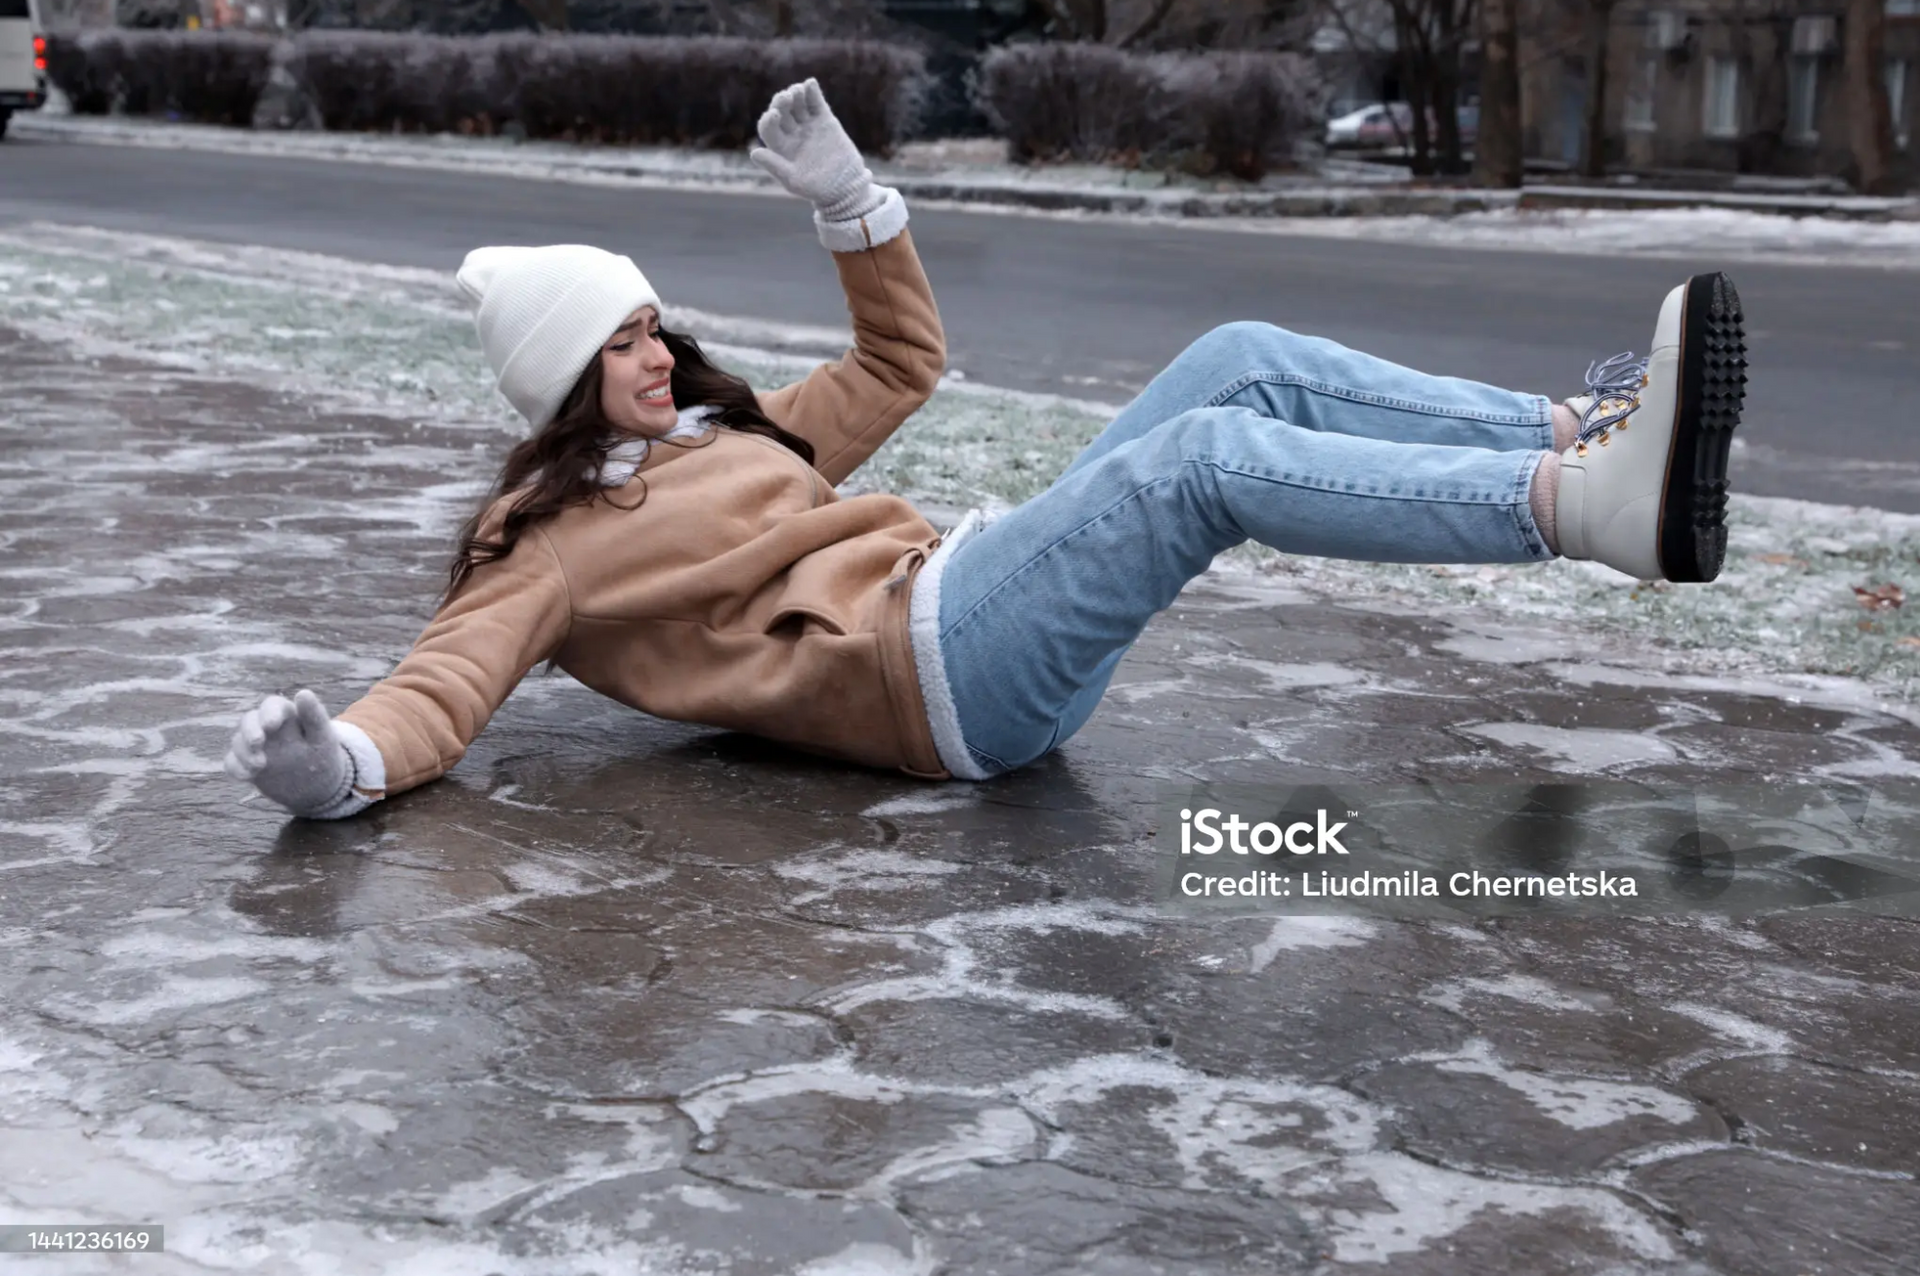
<point>847,409</point>
<point>416,723</point>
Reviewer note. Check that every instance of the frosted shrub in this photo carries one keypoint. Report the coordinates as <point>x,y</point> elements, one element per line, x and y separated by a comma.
<point>1237,113</point>
<point>1068,101</point>
<point>204,76</point>
<point>85,65</point>
<point>1240,113</point>
<point>630,90</point>
<point>359,81</point>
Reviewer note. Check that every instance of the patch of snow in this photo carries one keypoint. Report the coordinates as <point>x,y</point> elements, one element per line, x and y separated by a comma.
<point>861,870</point>
<point>1582,750</point>
<point>1420,1203</point>
<point>1291,934</point>
<point>174,994</point>
<point>870,1258</point>
<point>1734,1027</point>
<point>963,975</point>
<point>1722,234</point>
<point>1528,990</point>
<point>931,803</point>
<point>1577,1102</point>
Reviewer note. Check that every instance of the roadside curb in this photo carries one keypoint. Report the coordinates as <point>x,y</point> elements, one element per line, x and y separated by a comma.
<point>726,171</point>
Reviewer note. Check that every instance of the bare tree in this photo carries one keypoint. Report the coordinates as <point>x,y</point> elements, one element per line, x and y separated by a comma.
<point>1093,20</point>
<point>67,15</point>
<point>1869,114</point>
<point>1498,159</point>
<point>1428,38</point>
<point>547,15</point>
<point>1168,24</point>
<point>781,19</point>
<point>1593,141</point>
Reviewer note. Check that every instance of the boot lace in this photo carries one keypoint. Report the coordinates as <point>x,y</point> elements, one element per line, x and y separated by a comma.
<point>1615,384</point>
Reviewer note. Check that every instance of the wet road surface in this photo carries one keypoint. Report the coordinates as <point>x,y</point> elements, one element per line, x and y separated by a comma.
<point>1084,308</point>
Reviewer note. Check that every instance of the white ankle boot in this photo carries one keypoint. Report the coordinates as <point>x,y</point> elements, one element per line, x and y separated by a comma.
<point>1651,500</point>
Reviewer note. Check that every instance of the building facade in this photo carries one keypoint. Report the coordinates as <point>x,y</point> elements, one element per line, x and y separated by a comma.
<point>1741,86</point>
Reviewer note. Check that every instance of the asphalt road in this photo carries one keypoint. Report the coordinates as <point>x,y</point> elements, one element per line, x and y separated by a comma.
<point>1084,308</point>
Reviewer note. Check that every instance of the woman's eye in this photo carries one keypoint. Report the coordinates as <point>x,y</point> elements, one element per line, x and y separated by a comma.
<point>621,347</point>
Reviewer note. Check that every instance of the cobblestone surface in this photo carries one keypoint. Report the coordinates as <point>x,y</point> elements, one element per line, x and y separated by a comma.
<point>623,995</point>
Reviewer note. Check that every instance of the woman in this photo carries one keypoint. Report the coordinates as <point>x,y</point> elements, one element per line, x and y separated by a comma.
<point>674,541</point>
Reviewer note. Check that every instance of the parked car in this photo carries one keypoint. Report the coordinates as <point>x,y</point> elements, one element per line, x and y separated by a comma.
<point>1348,129</point>
<point>1391,127</point>
<point>1391,124</point>
<point>1469,117</point>
<point>23,59</point>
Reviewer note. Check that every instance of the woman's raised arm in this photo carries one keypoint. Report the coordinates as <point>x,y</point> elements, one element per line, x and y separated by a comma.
<point>847,409</point>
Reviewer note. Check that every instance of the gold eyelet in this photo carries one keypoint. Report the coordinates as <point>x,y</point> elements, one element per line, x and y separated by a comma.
<point>1579,449</point>
<point>1604,438</point>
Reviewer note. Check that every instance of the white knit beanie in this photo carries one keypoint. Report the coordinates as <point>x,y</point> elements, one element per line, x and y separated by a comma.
<point>544,313</point>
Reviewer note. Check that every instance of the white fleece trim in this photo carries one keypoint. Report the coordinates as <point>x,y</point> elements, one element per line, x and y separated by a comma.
<point>369,782</point>
<point>625,459</point>
<point>857,234</point>
<point>923,626</point>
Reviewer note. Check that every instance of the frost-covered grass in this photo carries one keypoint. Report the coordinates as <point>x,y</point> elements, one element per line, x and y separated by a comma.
<point>399,341</point>
<point>1784,603</point>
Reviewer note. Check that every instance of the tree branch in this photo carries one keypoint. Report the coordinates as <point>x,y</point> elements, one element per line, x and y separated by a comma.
<point>1063,17</point>
<point>1146,25</point>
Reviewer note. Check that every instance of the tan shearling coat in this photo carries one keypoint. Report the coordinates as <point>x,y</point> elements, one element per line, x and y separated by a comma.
<point>742,593</point>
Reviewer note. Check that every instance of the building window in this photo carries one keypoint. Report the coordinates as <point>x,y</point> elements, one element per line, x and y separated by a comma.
<point>1722,115</point>
<point>1903,8</point>
<point>1641,93</point>
<point>1897,76</point>
<point>1803,99</point>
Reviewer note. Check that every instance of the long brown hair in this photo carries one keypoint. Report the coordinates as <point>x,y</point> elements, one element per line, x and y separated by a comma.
<point>560,465</point>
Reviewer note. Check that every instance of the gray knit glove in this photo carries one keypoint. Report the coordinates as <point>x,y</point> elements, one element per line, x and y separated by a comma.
<point>291,752</point>
<point>808,152</point>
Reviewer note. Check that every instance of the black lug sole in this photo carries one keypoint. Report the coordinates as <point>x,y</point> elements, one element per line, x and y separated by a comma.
<point>1713,379</point>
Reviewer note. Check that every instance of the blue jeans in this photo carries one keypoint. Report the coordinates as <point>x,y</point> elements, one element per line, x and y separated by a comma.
<point>1254,433</point>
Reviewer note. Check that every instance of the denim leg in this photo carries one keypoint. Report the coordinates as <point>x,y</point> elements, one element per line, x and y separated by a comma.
<point>1037,609</point>
<point>1321,385</point>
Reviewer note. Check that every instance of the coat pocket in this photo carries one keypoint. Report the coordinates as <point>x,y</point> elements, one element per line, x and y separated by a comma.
<point>803,617</point>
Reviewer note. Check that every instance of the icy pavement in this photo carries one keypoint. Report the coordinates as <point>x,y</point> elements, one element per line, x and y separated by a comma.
<point>399,340</point>
<point>624,996</point>
<point>1347,200</point>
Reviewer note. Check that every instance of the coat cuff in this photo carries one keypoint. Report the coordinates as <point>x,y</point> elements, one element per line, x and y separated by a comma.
<point>369,774</point>
<point>857,234</point>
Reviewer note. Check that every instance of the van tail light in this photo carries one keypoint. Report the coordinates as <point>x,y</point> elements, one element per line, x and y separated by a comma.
<point>39,53</point>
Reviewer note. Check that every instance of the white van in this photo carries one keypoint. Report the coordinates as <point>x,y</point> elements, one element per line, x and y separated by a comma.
<point>23,59</point>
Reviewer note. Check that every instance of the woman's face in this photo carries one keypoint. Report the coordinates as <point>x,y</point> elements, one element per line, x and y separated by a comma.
<point>635,393</point>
